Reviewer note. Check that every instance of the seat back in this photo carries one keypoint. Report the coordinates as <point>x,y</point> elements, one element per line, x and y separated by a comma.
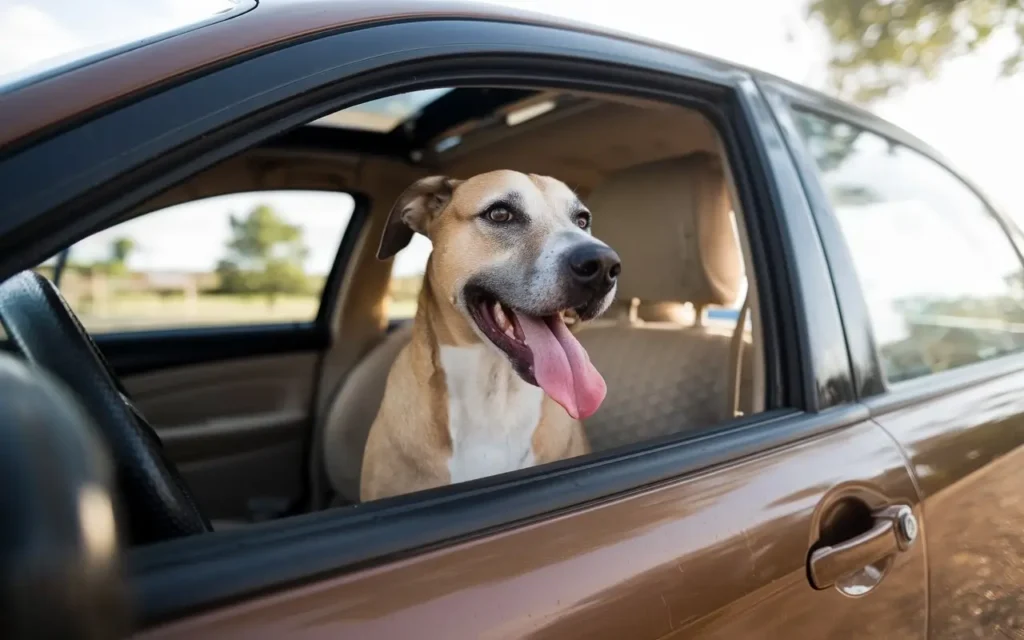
<point>661,381</point>
<point>671,223</point>
<point>348,421</point>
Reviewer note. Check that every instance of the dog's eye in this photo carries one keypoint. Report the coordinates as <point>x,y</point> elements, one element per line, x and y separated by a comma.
<point>582,220</point>
<point>499,214</point>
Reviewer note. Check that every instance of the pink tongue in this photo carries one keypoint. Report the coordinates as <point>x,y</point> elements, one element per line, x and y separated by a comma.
<point>562,367</point>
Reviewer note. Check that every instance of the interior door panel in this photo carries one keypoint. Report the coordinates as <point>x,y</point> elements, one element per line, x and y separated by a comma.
<point>720,554</point>
<point>236,429</point>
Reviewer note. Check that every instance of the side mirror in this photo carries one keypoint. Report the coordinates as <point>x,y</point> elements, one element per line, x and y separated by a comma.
<point>60,573</point>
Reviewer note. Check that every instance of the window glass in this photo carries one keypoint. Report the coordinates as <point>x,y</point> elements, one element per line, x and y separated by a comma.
<point>238,259</point>
<point>407,278</point>
<point>943,284</point>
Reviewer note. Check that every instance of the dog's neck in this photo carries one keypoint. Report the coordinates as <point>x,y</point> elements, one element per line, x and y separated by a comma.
<point>446,324</point>
<point>489,412</point>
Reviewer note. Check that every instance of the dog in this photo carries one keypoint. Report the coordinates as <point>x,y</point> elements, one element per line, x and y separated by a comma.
<point>492,380</point>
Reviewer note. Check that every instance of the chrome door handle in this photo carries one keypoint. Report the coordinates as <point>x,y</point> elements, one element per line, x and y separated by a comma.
<point>895,529</point>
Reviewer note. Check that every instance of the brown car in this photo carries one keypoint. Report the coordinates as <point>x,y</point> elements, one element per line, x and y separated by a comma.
<point>815,364</point>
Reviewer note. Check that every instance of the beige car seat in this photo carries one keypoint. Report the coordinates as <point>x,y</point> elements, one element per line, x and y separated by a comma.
<point>671,223</point>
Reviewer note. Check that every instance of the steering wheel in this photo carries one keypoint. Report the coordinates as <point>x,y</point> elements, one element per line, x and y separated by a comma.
<point>46,332</point>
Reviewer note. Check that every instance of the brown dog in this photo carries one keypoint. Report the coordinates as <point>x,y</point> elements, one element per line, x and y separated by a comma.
<point>492,380</point>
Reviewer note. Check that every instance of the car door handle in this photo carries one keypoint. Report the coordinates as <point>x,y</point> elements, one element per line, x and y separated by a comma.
<point>894,530</point>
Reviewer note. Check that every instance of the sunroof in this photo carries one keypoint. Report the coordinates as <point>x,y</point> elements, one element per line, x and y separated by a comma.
<point>381,115</point>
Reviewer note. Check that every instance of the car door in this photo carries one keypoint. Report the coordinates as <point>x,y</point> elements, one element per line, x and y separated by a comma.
<point>795,522</point>
<point>935,279</point>
<point>221,358</point>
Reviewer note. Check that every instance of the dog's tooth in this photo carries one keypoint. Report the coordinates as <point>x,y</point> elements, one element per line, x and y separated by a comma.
<point>500,318</point>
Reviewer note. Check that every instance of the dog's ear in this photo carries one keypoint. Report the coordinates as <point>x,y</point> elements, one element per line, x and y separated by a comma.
<point>412,213</point>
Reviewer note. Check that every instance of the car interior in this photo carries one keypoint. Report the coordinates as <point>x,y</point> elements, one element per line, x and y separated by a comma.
<point>276,431</point>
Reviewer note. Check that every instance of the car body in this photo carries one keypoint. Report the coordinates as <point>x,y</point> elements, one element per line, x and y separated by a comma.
<point>708,537</point>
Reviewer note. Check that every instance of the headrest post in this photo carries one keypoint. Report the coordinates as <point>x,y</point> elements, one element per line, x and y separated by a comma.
<point>634,310</point>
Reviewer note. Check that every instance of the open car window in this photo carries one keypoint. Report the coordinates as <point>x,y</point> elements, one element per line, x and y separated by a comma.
<point>239,259</point>
<point>678,345</point>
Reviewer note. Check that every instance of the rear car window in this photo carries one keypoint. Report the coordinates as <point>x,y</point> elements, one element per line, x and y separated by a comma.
<point>943,284</point>
<point>238,259</point>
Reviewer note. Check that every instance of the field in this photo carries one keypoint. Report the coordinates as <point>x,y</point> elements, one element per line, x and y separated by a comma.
<point>136,301</point>
<point>151,311</point>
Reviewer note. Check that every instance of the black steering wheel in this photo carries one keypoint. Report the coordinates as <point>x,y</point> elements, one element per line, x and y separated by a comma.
<point>46,332</point>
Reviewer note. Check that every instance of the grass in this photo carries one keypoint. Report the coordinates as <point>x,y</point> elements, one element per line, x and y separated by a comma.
<point>151,311</point>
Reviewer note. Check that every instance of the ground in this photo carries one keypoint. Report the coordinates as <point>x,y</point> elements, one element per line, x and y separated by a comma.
<point>976,540</point>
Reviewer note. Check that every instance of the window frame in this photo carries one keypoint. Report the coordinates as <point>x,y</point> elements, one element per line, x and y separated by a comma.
<point>874,388</point>
<point>806,365</point>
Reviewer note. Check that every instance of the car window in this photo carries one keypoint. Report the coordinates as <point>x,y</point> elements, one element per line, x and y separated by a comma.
<point>407,278</point>
<point>943,284</point>
<point>238,259</point>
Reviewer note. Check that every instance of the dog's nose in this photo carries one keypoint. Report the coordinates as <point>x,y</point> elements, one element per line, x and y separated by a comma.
<point>594,265</point>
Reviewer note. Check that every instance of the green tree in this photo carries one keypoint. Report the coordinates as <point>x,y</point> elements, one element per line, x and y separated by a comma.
<point>265,256</point>
<point>120,250</point>
<point>879,46</point>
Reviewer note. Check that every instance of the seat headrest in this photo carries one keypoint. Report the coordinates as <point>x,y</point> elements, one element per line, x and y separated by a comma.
<point>670,223</point>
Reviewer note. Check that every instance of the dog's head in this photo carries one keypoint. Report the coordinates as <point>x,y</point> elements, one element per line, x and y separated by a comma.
<point>514,254</point>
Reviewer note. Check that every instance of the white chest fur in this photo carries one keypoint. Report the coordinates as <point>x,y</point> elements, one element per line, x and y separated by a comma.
<point>492,413</point>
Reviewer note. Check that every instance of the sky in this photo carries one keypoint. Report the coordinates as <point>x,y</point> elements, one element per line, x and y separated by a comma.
<point>193,236</point>
<point>967,113</point>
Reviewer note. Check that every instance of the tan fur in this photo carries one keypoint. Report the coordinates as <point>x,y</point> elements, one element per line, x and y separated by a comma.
<point>409,444</point>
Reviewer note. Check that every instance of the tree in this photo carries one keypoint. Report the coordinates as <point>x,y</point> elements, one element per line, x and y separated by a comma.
<point>120,250</point>
<point>879,46</point>
<point>265,255</point>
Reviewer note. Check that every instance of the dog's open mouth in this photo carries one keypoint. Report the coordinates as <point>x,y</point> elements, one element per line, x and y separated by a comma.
<point>542,351</point>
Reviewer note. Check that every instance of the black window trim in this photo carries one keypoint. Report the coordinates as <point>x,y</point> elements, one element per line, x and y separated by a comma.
<point>867,377</point>
<point>875,390</point>
<point>828,378</point>
<point>187,575</point>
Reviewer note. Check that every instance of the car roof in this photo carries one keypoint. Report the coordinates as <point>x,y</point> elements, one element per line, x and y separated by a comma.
<point>57,98</point>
